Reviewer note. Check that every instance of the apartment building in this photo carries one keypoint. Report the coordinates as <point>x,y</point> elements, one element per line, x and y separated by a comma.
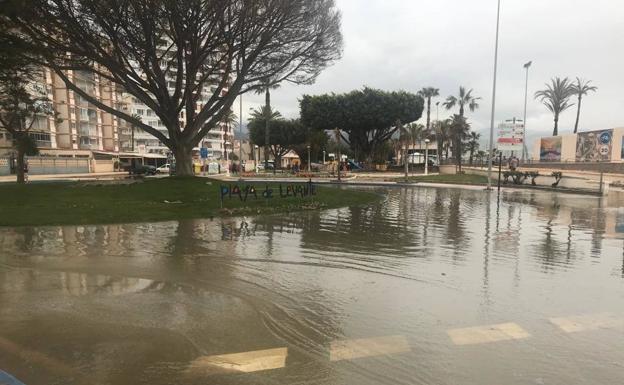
<point>81,130</point>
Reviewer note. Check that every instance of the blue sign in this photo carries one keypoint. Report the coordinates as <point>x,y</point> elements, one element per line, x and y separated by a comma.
<point>605,137</point>
<point>203,152</point>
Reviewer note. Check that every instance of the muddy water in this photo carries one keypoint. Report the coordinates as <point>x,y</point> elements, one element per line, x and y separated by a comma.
<point>412,290</point>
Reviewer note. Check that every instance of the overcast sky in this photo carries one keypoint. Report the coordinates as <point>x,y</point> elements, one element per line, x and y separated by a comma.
<point>410,44</point>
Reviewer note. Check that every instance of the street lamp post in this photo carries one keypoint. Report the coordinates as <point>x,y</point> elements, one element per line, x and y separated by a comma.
<point>240,134</point>
<point>489,185</point>
<point>427,156</point>
<point>323,157</point>
<point>337,133</point>
<point>257,150</point>
<point>526,95</point>
<point>309,169</point>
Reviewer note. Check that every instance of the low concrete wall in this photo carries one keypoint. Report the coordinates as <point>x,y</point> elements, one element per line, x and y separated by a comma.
<point>41,166</point>
<point>5,169</point>
<point>612,168</point>
<point>546,179</point>
<point>103,166</point>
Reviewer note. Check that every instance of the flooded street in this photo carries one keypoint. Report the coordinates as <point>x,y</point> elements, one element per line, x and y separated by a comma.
<point>429,286</point>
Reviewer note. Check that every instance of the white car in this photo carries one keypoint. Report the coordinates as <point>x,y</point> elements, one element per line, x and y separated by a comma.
<point>164,169</point>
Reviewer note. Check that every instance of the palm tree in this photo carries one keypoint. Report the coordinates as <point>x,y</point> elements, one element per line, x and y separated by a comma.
<point>556,97</point>
<point>229,119</point>
<point>261,114</point>
<point>463,99</point>
<point>428,93</point>
<point>473,144</point>
<point>443,137</point>
<point>460,130</point>
<point>266,90</point>
<point>581,88</point>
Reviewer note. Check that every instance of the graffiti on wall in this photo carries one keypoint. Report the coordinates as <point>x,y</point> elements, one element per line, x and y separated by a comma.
<point>550,149</point>
<point>594,146</point>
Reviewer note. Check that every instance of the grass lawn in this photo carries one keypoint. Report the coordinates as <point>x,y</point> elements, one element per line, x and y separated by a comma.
<point>451,179</point>
<point>62,203</point>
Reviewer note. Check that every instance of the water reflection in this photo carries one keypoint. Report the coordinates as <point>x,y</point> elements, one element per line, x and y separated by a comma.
<point>420,262</point>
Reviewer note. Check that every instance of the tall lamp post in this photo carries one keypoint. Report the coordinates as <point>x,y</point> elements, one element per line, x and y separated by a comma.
<point>309,169</point>
<point>489,185</point>
<point>257,150</point>
<point>427,156</point>
<point>526,96</point>
<point>240,136</point>
<point>337,133</point>
<point>323,157</point>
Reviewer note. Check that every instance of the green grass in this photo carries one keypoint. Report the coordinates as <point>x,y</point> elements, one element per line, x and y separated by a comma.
<point>450,179</point>
<point>72,203</point>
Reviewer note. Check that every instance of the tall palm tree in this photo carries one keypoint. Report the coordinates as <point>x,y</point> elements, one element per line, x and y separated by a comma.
<point>473,144</point>
<point>266,90</point>
<point>556,97</point>
<point>581,88</point>
<point>443,137</point>
<point>460,130</point>
<point>463,100</point>
<point>428,93</point>
<point>228,119</point>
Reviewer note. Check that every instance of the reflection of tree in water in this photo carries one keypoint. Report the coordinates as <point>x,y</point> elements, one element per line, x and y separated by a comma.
<point>456,228</point>
<point>550,251</point>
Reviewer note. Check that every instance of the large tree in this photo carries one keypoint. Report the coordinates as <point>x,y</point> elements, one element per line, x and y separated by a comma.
<point>429,93</point>
<point>556,97</point>
<point>182,56</point>
<point>581,88</point>
<point>365,117</point>
<point>23,99</point>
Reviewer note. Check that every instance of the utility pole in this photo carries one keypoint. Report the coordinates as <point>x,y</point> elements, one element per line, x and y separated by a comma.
<point>240,135</point>
<point>489,185</point>
<point>525,152</point>
<point>337,133</point>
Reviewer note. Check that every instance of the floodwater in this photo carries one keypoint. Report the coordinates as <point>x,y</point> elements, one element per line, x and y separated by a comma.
<point>429,286</point>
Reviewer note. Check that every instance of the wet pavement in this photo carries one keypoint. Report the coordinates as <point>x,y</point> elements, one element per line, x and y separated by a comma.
<point>429,286</point>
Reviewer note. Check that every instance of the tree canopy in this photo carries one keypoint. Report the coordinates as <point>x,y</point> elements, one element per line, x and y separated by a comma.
<point>368,117</point>
<point>184,56</point>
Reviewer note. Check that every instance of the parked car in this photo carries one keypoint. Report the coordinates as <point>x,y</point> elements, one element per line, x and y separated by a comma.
<point>270,164</point>
<point>143,169</point>
<point>164,169</point>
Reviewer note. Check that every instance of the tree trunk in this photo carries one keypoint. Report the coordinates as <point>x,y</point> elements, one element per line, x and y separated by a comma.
<point>556,129</point>
<point>578,115</point>
<point>267,137</point>
<point>428,113</point>
<point>20,167</point>
<point>184,161</point>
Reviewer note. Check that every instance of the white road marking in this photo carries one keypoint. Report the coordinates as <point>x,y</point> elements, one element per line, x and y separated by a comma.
<point>487,334</point>
<point>367,347</point>
<point>588,322</point>
<point>246,362</point>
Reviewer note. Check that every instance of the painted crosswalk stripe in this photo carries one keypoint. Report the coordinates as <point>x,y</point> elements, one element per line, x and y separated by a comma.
<point>586,322</point>
<point>367,347</point>
<point>487,334</point>
<point>246,362</point>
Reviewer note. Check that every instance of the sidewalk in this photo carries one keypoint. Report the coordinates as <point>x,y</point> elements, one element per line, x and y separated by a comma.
<point>73,177</point>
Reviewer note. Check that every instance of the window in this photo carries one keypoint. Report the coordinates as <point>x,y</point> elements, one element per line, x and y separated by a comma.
<point>140,111</point>
<point>149,113</point>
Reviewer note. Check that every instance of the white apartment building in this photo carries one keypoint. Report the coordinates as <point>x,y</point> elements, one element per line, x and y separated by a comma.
<point>84,131</point>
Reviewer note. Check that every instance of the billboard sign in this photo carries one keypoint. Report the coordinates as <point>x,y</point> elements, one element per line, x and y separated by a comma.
<point>550,149</point>
<point>203,153</point>
<point>594,146</point>
<point>510,136</point>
